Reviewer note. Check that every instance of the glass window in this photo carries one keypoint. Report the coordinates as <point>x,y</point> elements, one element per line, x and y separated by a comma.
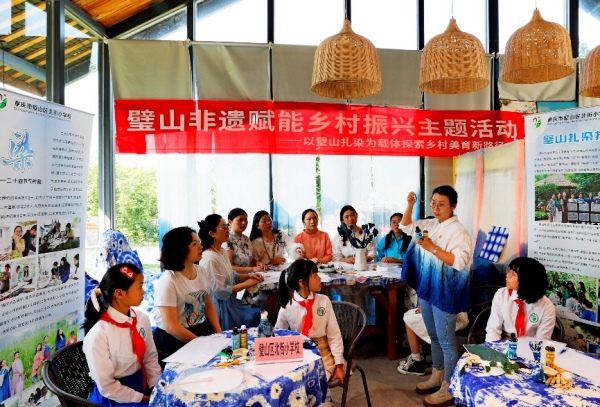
<point>470,16</point>
<point>386,23</point>
<point>172,28</point>
<point>232,21</point>
<point>308,22</point>
<point>514,14</point>
<point>81,92</point>
<point>589,25</point>
<point>23,40</point>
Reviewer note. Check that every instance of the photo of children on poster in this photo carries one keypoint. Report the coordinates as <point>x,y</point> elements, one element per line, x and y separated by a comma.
<point>44,159</point>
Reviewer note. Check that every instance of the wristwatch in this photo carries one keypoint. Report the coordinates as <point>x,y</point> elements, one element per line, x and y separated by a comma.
<point>434,251</point>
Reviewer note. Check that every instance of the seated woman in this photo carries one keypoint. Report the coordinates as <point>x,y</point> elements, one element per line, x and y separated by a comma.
<point>239,247</point>
<point>119,351</point>
<point>184,309</point>
<point>311,314</point>
<point>225,282</point>
<point>270,244</point>
<point>521,307</point>
<point>342,250</point>
<point>317,245</point>
<point>392,248</point>
<point>64,270</point>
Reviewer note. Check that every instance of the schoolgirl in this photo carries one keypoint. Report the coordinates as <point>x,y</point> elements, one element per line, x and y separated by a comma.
<point>118,344</point>
<point>305,311</point>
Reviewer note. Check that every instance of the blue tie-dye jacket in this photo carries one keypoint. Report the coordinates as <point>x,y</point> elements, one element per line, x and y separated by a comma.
<point>434,281</point>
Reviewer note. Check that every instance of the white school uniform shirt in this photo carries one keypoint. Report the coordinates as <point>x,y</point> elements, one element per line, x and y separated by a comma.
<point>539,316</point>
<point>109,352</point>
<point>324,322</point>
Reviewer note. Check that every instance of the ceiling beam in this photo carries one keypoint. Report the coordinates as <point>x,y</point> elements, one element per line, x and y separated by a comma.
<point>85,19</point>
<point>156,12</point>
<point>27,68</point>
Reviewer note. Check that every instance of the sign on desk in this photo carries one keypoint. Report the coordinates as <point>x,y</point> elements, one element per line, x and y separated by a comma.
<point>278,349</point>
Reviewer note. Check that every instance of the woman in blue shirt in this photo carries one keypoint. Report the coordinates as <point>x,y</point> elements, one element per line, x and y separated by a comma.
<point>392,248</point>
<point>60,340</point>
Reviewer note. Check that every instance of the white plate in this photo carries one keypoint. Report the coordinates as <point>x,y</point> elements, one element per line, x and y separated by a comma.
<point>326,269</point>
<point>222,380</point>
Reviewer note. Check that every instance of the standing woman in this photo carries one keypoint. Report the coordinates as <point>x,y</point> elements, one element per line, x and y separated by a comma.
<point>563,207</point>
<point>392,248</point>
<point>225,282</point>
<point>437,267</point>
<point>4,381</point>
<point>184,309</point>
<point>18,378</point>
<point>38,359</point>
<point>342,249</point>
<point>317,245</point>
<point>558,207</point>
<point>239,247</point>
<point>551,208</point>
<point>60,341</point>
<point>269,244</point>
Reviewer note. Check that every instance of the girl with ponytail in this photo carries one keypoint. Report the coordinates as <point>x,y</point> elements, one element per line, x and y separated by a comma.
<point>305,311</point>
<point>118,344</point>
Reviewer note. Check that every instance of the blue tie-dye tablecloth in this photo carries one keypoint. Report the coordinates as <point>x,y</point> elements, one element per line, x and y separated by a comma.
<point>304,386</point>
<point>478,388</point>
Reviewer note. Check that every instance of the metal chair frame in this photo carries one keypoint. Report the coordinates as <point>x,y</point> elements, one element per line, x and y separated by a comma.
<point>352,321</point>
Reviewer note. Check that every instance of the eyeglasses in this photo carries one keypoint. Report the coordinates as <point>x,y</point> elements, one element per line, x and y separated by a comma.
<point>395,222</point>
<point>433,205</point>
<point>225,227</point>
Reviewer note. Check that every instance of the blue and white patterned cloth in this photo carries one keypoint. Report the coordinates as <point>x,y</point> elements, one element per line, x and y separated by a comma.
<point>494,243</point>
<point>478,388</point>
<point>305,386</point>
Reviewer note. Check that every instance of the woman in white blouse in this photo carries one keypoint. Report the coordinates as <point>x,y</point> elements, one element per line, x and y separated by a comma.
<point>270,244</point>
<point>342,249</point>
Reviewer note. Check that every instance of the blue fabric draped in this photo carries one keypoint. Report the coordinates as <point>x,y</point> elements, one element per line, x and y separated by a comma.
<point>135,381</point>
<point>444,287</point>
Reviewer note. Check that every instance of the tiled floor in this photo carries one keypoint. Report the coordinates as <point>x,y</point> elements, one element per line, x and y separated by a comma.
<point>387,387</point>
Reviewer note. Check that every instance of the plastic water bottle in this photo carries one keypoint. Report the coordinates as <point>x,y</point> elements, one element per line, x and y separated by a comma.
<point>511,350</point>
<point>235,338</point>
<point>418,233</point>
<point>265,329</point>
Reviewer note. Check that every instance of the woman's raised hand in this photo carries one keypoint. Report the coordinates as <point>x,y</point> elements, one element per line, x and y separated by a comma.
<point>411,198</point>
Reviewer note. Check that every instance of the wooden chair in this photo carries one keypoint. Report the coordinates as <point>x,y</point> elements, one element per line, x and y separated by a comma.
<point>352,321</point>
<point>66,374</point>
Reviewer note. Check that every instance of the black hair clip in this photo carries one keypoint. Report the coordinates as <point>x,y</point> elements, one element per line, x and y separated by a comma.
<point>309,344</point>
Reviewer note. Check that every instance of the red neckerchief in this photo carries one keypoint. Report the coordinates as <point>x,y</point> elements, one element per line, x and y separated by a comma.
<point>308,320</point>
<point>520,319</point>
<point>139,345</point>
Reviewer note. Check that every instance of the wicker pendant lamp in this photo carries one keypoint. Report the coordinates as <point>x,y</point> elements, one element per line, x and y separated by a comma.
<point>453,62</point>
<point>540,51</point>
<point>590,74</point>
<point>346,66</point>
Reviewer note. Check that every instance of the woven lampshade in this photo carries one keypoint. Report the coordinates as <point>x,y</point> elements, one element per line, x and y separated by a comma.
<point>540,51</point>
<point>453,62</point>
<point>590,74</point>
<point>346,66</point>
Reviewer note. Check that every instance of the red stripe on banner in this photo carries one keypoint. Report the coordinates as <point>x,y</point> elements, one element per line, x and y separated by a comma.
<point>200,126</point>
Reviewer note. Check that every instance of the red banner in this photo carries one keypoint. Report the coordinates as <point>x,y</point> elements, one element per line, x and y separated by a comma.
<point>200,126</point>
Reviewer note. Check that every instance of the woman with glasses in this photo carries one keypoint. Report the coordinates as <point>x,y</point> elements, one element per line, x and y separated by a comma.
<point>437,267</point>
<point>270,245</point>
<point>393,247</point>
<point>225,282</point>
<point>239,247</point>
<point>522,306</point>
<point>184,309</point>
<point>317,245</point>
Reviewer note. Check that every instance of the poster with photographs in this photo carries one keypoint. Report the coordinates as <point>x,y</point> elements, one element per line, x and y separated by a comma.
<point>563,184</point>
<point>44,154</point>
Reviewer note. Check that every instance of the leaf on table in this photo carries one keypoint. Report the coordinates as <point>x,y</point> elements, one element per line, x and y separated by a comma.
<point>486,353</point>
